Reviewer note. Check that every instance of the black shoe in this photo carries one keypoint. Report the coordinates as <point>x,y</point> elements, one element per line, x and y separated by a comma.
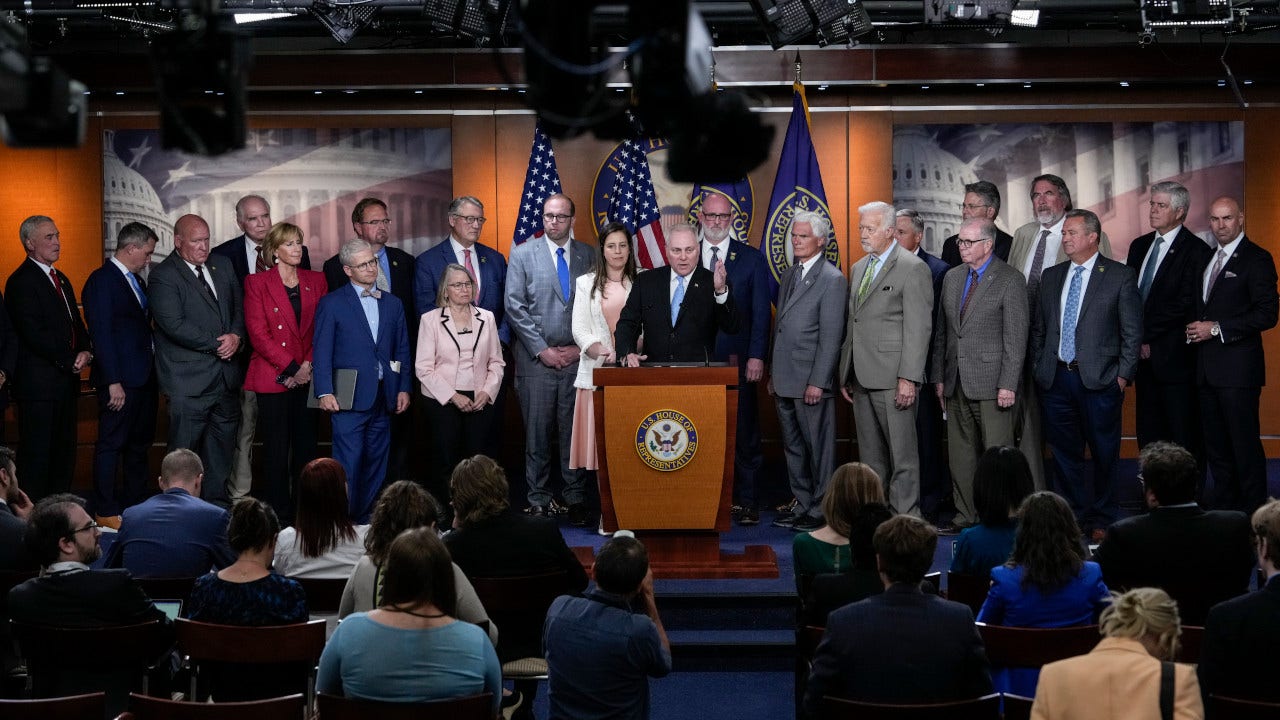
<point>536,510</point>
<point>749,516</point>
<point>578,514</point>
<point>784,521</point>
<point>806,523</point>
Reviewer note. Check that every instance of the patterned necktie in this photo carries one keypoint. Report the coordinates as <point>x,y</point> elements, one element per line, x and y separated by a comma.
<point>1149,270</point>
<point>375,293</point>
<point>973,286</point>
<point>676,299</point>
<point>137,290</point>
<point>715,258</point>
<point>865,286</point>
<point>260,263</point>
<point>1070,316</point>
<point>382,283</point>
<point>562,270</point>
<point>1213,275</point>
<point>475,278</point>
<point>1037,263</point>
<point>204,283</point>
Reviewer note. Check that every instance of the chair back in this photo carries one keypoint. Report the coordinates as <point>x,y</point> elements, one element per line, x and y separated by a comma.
<point>1190,643</point>
<point>470,707</point>
<point>518,606</point>
<point>324,595</point>
<point>76,707</point>
<point>1016,707</point>
<point>983,708</point>
<point>167,588</point>
<point>1226,708</point>
<point>230,648</point>
<point>968,589</point>
<point>807,639</point>
<point>288,707</point>
<point>1034,647</point>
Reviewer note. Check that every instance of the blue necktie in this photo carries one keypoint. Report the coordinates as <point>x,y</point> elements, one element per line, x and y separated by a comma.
<point>562,269</point>
<point>1070,316</point>
<point>1149,270</point>
<point>676,299</point>
<point>137,289</point>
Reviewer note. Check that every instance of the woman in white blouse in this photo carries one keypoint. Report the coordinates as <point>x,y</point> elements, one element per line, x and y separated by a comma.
<point>323,542</point>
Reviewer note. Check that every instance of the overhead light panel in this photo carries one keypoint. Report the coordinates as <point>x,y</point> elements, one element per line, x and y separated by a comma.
<point>252,17</point>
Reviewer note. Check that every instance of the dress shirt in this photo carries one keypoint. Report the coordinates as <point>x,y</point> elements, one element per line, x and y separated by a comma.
<point>723,247</point>
<point>1229,249</point>
<point>462,260</point>
<point>127,272</point>
<point>1164,251</point>
<point>552,247</point>
<point>251,255</point>
<point>879,262</point>
<point>1051,246</point>
<point>807,265</point>
<point>1066,290</point>
<point>208,280</point>
<point>369,305</point>
<point>671,289</point>
<point>63,568</point>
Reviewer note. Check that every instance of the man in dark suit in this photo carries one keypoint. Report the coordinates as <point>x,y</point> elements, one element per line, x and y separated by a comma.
<point>1236,304</point>
<point>487,266</point>
<point>15,509</point>
<point>118,314</point>
<point>199,322</point>
<point>1199,557</point>
<point>362,328</point>
<point>904,646</point>
<point>395,272</point>
<point>1168,261</point>
<point>1084,342</point>
<point>244,252</point>
<point>53,350</point>
<point>749,286</point>
<point>981,202</point>
<point>678,309</point>
<point>1239,656</point>
<point>175,533</point>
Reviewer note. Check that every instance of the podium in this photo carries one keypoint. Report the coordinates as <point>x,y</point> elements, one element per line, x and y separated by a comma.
<point>665,448</point>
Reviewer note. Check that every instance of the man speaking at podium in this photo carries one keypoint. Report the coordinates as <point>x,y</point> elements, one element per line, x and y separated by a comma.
<point>677,309</point>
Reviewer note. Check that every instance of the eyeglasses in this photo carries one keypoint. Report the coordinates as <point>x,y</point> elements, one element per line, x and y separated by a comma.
<point>972,207</point>
<point>550,217</point>
<point>93,525</point>
<point>364,265</point>
<point>471,219</point>
<point>718,217</point>
<point>969,243</point>
<point>460,285</point>
<point>384,222</point>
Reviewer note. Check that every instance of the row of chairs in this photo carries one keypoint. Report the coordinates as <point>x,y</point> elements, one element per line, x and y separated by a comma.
<point>143,707</point>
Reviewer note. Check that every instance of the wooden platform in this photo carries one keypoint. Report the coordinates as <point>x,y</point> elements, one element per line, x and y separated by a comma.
<point>697,557</point>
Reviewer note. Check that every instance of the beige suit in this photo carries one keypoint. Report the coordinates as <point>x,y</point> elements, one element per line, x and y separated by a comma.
<point>1118,680</point>
<point>887,337</point>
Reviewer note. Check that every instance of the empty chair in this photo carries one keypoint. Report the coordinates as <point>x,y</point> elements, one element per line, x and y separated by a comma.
<point>76,707</point>
<point>324,595</point>
<point>986,707</point>
<point>1190,643</point>
<point>521,602</point>
<point>288,707</point>
<point>470,707</point>
<point>1035,647</point>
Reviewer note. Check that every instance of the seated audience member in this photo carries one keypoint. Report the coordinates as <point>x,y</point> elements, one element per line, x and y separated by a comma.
<point>175,533</point>
<point>404,505</point>
<point>411,648</point>
<point>1239,658</point>
<point>1001,481</point>
<point>246,592</point>
<point>1120,679</point>
<point>600,655</point>
<point>1200,557</point>
<point>15,509</point>
<point>904,645</point>
<point>323,543</point>
<point>1046,582</point>
<point>826,550</point>
<point>828,591</point>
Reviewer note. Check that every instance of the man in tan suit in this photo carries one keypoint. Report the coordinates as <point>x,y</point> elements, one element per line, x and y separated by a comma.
<point>978,353</point>
<point>886,341</point>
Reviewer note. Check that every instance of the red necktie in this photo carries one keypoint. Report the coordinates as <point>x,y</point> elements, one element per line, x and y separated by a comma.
<point>475,279</point>
<point>261,264</point>
<point>53,275</point>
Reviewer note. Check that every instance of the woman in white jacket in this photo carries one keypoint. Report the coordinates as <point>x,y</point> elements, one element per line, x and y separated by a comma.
<point>596,307</point>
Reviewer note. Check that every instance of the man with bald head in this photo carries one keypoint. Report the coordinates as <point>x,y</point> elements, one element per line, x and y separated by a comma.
<point>199,320</point>
<point>1237,302</point>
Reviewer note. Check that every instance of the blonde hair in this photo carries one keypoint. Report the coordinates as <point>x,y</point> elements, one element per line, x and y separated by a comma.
<point>852,485</point>
<point>1144,613</point>
<point>1266,526</point>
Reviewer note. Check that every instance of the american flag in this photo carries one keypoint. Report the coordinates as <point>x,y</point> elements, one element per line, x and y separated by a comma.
<point>541,181</point>
<point>634,204</point>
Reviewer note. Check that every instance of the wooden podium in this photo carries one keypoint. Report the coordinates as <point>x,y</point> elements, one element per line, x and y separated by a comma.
<point>665,447</point>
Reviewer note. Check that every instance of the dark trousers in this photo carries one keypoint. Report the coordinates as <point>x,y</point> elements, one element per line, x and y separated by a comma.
<point>935,479</point>
<point>47,437</point>
<point>124,437</point>
<point>287,431</point>
<point>1236,459</point>
<point>207,424</point>
<point>453,436</point>
<point>1168,411</point>
<point>1075,416</point>
<point>361,444</point>
<point>747,457</point>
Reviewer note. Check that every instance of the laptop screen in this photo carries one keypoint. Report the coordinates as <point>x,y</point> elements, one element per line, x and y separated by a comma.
<point>171,608</point>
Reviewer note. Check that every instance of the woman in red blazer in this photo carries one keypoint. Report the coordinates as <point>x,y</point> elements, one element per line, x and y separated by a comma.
<point>279,314</point>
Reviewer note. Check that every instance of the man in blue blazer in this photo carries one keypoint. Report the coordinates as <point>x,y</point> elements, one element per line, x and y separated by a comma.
<point>361,328</point>
<point>487,266</point>
<point>118,315</point>
<point>749,286</point>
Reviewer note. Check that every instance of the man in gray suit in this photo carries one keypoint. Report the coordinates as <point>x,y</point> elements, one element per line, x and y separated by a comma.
<point>1085,340</point>
<point>199,319</point>
<point>539,302</point>
<point>978,352</point>
<point>806,346</point>
<point>886,343</point>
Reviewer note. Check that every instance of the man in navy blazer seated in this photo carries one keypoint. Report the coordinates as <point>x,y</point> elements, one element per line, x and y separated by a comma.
<point>487,266</point>
<point>175,533</point>
<point>904,646</point>
<point>361,328</point>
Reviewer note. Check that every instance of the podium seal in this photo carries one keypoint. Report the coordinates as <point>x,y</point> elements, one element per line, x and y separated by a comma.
<point>666,440</point>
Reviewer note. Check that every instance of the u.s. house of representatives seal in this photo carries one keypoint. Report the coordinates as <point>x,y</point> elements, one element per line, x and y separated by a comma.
<point>666,440</point>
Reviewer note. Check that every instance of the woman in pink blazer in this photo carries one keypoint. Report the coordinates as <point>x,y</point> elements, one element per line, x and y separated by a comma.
<point>460,365</point>
<point>279,314</point>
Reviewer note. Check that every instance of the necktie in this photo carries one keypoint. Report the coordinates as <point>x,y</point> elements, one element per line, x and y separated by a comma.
<point>57,285</point>
<point>562,270</point>
<point>204,283</point>
<point>715,258</point>
<point>375,293</point>
<point>973,285</point>
<point>1070,316</point>
<point>1037,261</point>
<point>382,283</point>
<point>137,290</point>
<point>1213,275</point>
<point>1149,270</point>
<point>865,286</point>
<point>260,264</point>
<point>676,299</point>
<point>475,278</point>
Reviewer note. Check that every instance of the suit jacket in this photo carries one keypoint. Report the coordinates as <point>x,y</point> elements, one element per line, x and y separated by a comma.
<point>171,535</point>
<point>951,248</point>
<point>91,598</point>
<point>985,351</point>
<point>13,550</point>
<point>749,285</point>
<point>280,342</point>
<point>342,340</point>
<point>1024,245</point>
<point>1108,327</point>
<point>491,265</point>
<point>1244,303</point>
<point>590,327</point>
<point>1238,658</point>
<point>806,337</point>
<point>537,312</point>
<point>1171,303</point>
<point>887,335</point>
<point>233,251</point>
<point>439,346</point>
<point>938,269</point>
<point>693,336</point>
<point>188,322</point>
<point>401,279</point>
<point>1117,679</point>
<point>902,646</point>
<point>49,336</point>
<point>120,330</point>
<point>1199,557</point>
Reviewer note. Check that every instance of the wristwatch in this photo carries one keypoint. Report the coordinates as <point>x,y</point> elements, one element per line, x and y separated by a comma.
<point>1216,330</point>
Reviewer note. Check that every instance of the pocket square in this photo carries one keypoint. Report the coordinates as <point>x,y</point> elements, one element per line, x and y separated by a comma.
<point>1228,274</point>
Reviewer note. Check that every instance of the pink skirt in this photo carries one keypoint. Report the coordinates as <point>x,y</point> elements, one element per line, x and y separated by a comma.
<point>582,443</point>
